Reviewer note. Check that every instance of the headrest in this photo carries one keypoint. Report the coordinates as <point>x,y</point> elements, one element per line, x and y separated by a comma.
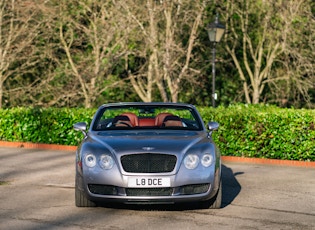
<point>172,118</point>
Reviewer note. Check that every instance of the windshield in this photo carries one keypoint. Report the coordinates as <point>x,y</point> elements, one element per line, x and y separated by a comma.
<point>147,117</point>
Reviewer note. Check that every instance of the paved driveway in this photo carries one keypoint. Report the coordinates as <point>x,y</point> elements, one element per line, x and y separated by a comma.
<point>36,192</point>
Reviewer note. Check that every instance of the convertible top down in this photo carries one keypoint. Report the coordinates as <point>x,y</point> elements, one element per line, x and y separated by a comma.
<point>146,153</point>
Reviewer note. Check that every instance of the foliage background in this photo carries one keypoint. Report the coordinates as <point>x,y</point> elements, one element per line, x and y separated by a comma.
<point>264,131</point>
<point>250,131</point>
<point>83,53</point>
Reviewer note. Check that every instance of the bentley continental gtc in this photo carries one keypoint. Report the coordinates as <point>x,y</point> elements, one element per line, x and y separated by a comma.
<point>147,153</point>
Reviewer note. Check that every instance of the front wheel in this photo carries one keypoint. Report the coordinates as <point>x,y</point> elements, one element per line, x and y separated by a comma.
<point>215,202</point>
<point>80,198</point>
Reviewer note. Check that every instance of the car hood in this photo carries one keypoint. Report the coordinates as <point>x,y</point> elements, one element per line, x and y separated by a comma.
<point>172,142</point>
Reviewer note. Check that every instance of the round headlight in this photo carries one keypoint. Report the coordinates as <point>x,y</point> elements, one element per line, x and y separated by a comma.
<point>90,160</point>
<point>106,162</point>
<point>207,160</point>
<point>191,161</point>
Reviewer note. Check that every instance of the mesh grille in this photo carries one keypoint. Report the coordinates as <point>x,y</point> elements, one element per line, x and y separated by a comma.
<point>148,163</point>
<point>102,189</point>
<point>194,189</point>
<point>149,191</point>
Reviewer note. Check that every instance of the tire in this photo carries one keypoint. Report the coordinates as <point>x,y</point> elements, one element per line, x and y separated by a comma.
<point>215,202</point>
<point>80,198</point>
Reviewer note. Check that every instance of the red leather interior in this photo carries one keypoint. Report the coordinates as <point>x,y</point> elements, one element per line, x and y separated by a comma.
<point>133,118</point>
<point>146,121</point>
<point>160,118</point>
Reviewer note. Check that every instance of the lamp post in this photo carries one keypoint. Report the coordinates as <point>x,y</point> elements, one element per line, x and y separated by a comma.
<point>215,33</point>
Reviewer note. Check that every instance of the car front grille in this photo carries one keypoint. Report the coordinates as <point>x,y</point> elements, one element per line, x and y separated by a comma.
<point>149,191</point>
<point>148,163</point>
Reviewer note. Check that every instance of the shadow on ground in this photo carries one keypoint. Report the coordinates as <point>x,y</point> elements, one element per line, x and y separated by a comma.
<point>230,186</point>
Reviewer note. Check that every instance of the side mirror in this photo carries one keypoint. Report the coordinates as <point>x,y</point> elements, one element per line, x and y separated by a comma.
<point>212,126</point>
<point>80,126</point>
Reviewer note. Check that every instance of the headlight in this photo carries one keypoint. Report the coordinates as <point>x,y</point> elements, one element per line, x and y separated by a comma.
<point>207,160</point>
<point>106,162</point>
<point>191,161</point>
<point>90,160</point>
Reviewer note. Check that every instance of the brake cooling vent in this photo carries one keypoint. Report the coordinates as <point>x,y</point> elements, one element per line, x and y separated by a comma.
<point>148,163</point>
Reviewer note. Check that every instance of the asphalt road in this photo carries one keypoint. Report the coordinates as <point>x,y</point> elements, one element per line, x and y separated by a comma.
<point>37,192</point>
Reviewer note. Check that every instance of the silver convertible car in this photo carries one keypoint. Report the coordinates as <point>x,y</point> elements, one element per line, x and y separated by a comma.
<point>147,153</point>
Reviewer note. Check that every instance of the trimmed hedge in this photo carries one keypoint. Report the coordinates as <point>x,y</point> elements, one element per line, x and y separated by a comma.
<point>50,126</point>
<point>264,131</point>
<point>250,131</point>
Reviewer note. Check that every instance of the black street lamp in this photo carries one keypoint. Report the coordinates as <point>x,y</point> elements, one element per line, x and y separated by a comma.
<point>215,32</point>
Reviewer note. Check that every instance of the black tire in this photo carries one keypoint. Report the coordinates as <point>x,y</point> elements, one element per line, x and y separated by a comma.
<point>215,202</point>
<point>80,198</point>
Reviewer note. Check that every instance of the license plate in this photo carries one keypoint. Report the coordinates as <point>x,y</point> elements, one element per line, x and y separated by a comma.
<point>149,182</point>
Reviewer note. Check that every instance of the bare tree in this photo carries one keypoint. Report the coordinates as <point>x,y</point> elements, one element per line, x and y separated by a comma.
<point>18,30</point>
<point>297,62</point>
<point>166,35</point>
<point>91,35</point>
<point>261,31</point>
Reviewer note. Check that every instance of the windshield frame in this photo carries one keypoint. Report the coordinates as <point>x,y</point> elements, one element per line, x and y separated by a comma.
<point>188,114</point>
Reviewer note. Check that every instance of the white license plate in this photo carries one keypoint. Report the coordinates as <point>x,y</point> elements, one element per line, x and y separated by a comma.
<point>149,182</point>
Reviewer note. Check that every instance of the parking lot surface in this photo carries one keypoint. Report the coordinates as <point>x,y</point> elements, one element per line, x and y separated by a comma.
<point>37,192</point>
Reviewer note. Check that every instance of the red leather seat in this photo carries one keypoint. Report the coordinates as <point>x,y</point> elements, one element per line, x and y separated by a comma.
<point>122,121</point>
<point>172,121</point>
<point>133,118</point>
<point>146,122</point>
<point>160,118</point>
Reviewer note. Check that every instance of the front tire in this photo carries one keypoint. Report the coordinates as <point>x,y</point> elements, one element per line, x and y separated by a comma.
<point>80,198</point>
<point>215,202</point>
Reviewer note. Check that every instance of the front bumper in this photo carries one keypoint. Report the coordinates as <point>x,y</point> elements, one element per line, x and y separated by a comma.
<point>169,195</point>
<point>179,190</point>
<point>184,186</point>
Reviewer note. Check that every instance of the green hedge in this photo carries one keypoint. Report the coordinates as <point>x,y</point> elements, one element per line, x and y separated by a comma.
<point>264,131</point>
<point>50,126</point>
<point>249,131</point>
